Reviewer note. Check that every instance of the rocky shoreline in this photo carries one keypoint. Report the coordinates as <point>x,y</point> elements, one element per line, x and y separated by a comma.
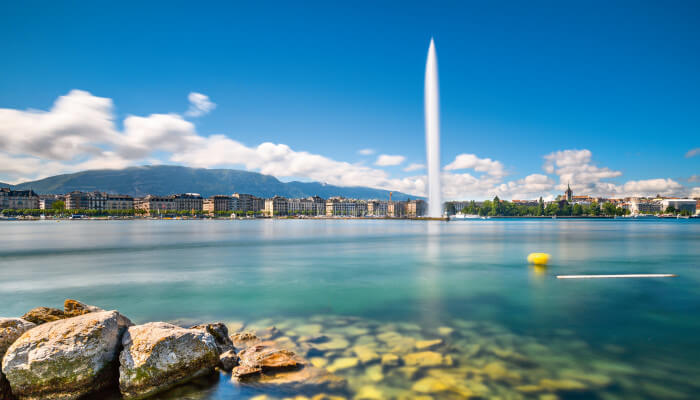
<point>66,354</point>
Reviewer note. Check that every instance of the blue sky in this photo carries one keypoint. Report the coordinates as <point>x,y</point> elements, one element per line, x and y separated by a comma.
<point>521,83</point>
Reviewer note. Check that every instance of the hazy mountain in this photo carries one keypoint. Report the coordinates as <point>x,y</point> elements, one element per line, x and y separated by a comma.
<point>166,179</point>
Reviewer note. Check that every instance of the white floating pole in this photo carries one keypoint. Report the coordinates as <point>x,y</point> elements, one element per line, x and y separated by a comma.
<point>616,276</point>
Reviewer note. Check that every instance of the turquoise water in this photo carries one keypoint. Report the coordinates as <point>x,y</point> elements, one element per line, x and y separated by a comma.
<point>404,277</point>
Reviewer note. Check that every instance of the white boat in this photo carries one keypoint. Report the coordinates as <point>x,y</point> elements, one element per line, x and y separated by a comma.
<point>464,216</point>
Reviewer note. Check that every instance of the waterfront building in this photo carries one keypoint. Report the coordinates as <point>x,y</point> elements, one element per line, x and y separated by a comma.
<point>188,202</point>
<point>276,206</point>
<point>77,200</point>
<point>218,203</point>
<point>528,203</point>
<point>377,208</point>
<point>338,206</point>
<point>644,206</point>
<point>415,208</point>
<point>46,200</point>
<point>300,206</point>
<point>396,209</point>
<point>248,202</point>
<point>319,205</point>
<point>18,199</point>
<point>680,204</point>
<point>155,205</point>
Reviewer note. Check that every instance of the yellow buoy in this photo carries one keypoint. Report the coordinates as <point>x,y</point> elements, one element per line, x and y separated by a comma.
<point>538,258</point>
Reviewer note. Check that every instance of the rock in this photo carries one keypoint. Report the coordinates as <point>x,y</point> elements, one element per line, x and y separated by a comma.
<point>326,396</point>
<point>498,372</point>
<point>423,359</point>
<point>5,390</point>
<point>365,354</point>
<point>343,363</point>
<point>445,330</point>
<point>10,330</point>
<point>369,393</point>
<point>319,362</point>
<point>428,344</point>
<point>308,330</point>
<point>567,385</point>
<point>159,355</point>
<point>299,380</point>
<point>220,333</point>
<point>228,360</point>
<point>375,373</point>
<point>74,308</point>
<point>390,359</point>
<point>268,357</point>
<point>244,339</point>
<point>243,371</point>
<point>335,343</point>
<point>42,315</point>
<point>66,359</point>
<point>429,385</point>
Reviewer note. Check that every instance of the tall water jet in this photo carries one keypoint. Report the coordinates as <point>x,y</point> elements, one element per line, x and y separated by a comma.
<point>432,134</point>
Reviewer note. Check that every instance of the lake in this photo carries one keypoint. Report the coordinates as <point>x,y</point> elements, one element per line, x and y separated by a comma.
<point>450,310</point>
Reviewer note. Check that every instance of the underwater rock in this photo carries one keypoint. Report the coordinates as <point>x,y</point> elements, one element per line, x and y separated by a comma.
<point>428,344</point>
<point>74,308</point>
<point>369,393</point>
<point>66,359</point>
<point>429,385</point>
<point>445,330</point>
<point>424,359</point>
<point>308,330</point>
<point>41,315</point>
<point>159,355</point>
<point>336,343</point>
<point>343,363</point>
<point>497,371</point>
<point>374,373</point>
<point>243,371</point>
<point>365,354</point>
<point>568,385</point>
<point>390,359</point>
<point>319,362</point>
<point>298,380</point>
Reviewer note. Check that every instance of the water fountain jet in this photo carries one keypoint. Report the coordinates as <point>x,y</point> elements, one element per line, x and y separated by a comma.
<point>432,134</point>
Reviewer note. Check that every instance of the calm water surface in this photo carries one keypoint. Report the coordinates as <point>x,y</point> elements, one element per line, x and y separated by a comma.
<point>505,328</point>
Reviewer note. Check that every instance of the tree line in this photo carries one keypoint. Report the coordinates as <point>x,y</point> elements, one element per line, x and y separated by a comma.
<point>503,208</point>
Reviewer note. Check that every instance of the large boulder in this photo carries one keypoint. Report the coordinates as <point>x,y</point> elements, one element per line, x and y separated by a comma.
<point>227,352</point>
<point>159,355</point>
<point>10,330</point>
<point>42,315</point>
<point>66,359</point>
<point>74,308</point>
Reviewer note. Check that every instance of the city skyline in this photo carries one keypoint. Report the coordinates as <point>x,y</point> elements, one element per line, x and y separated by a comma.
<point>524,110</point>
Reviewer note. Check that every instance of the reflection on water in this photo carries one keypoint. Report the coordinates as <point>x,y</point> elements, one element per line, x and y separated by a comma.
<point>503,328</point>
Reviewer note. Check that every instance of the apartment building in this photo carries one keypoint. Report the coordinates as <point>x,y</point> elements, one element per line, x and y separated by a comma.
<point>18,199</point>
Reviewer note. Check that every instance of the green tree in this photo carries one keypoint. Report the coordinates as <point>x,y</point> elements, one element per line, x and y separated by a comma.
<point>577,210</point>
<point>58,205</point>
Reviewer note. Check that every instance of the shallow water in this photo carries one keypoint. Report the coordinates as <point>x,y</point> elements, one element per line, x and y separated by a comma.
<point>509,330</point>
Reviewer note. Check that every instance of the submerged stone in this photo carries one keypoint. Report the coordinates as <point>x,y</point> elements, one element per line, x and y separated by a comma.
<point>562,384</point>
<point>374,373</point>
<point>268,357</point>
<point>343,363</point>
<point>243,371</point>
<point>424,359</point>
<point>298,380</point>
<point>429,384</point>
<point>159,355</point>
<point>445,330</point>
<point>428,344</point>
<point>498,372</point>
<point>66,359</point>
<point>365,354</point>
<point>390,359</point>
<point>369,393</point>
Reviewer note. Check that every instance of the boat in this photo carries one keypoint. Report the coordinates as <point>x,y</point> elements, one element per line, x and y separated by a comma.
<point>459,216</point>
<point>77,216</point>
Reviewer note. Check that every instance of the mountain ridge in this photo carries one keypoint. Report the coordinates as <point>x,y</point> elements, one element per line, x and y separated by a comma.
<point>169,179</point>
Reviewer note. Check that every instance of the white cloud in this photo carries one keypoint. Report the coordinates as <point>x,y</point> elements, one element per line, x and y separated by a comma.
<point>471,161</point>
<point>693,152</point>
<point>695,192</point>
<point>385,160</point>
<point>414,167</point>
<point>199,105</point>
<point>366,152</point>
<point>79,132</point>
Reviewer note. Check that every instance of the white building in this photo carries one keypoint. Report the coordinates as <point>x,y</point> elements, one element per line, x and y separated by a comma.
<point>680,204</point>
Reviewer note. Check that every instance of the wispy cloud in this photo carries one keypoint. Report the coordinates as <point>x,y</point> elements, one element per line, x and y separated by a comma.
<point>414,167</point>
<point>366,152</point>
<point>692,153</point>
<point>199,105</point>
<point>386,160</point>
